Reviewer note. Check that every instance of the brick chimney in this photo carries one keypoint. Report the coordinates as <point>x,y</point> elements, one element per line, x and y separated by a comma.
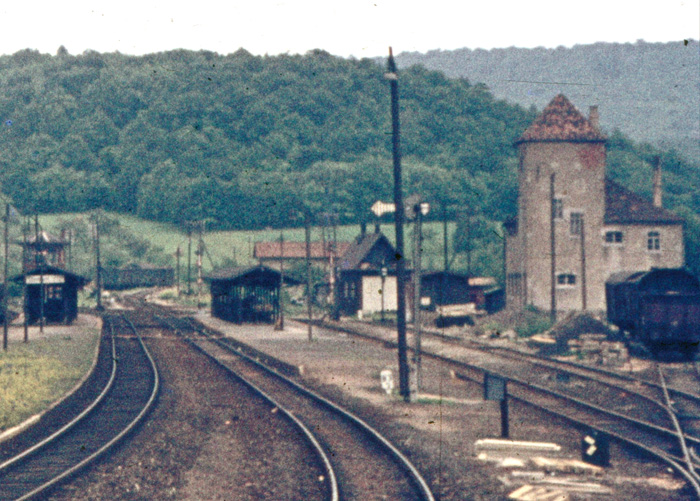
<point>656,164</point>
<point>594,117</point>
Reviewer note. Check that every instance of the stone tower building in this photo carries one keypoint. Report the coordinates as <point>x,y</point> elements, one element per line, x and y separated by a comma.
<point>574,226</point>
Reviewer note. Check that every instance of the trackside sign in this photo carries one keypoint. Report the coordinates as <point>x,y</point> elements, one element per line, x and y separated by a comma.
<point>48,279</point>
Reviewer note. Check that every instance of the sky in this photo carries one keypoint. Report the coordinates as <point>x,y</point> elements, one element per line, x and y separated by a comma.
<point>346,28</point>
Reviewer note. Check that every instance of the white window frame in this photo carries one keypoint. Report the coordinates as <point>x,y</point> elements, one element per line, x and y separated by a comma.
<point>614,243</point>
<point>654,241</point>
<point>568,284</point>
<point>572,213</point>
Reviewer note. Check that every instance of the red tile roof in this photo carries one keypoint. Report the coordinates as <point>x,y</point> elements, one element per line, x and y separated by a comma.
<point>625,207</point>
<point>296,250</point>
<point>561,121</point>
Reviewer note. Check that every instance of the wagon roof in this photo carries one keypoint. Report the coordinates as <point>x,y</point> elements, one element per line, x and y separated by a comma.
<point>657,277</point>
<point>239,272</point>
<point>624,276</point>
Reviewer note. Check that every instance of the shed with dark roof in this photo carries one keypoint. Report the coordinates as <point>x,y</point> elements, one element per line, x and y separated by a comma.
<point>246,294</point>
<point>367,276</point>
<point>56,288</point>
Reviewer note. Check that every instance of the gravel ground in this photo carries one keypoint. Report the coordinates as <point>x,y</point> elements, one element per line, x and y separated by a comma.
<point>203,441</point>
<point>439,430</point>
<point>208,438</point>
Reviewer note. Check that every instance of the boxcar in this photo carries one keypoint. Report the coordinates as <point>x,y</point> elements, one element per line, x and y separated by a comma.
<point>132,276</point>
<point>660,307</point>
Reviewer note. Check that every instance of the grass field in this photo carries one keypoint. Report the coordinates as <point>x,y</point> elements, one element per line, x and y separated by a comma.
<point>34,375</point>
<point>227,247</point>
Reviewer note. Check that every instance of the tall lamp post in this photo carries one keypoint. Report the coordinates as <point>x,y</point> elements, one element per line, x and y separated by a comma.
<point>393,78</point>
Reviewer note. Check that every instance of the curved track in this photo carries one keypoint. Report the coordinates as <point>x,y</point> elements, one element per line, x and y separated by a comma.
<point>129,394</point>
<point>364,463</point>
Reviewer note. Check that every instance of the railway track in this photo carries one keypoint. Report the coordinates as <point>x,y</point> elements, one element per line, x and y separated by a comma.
<point>130,392</point>
<point>631,410</point>
<point>359,462</point>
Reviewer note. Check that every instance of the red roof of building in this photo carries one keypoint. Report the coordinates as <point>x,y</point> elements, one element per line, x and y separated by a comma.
<point>561,121</point>
<point>625,207</point>
<point>296,250</point>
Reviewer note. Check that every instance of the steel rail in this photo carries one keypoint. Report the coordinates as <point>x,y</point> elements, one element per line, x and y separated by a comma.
<point>679,431</point>
<point>415,475</point>
<point>667,458</point>
<point>38,446</point>
<point>130,427</point>
<point>662,455</point>
<point>315,443</point>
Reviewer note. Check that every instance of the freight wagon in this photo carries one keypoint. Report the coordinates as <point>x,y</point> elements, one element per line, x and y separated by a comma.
<point>660,308</point>
<point>134,275</point>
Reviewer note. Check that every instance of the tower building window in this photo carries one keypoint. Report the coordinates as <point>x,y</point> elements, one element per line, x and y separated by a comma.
<point>614,237</point>
<point>575,223</point>
<point>653,241</point>
<point>557,208</point>
<point>566,279</point>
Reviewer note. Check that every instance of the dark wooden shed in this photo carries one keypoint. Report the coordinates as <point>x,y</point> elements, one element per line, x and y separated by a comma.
<point>246,294</point>
<point>444,288</point>
<point>361,286</point>
<point>440,288</point>
<point>59,295</point>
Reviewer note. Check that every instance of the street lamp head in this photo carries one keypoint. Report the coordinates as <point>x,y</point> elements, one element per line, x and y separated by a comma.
<point>391,67</point>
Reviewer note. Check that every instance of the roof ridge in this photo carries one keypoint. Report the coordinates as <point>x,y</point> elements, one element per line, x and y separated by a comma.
<point>624,206</point>
<point>561,121</point>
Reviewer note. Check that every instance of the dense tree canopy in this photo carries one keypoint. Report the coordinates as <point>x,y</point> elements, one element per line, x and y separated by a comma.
<point>248,142</point>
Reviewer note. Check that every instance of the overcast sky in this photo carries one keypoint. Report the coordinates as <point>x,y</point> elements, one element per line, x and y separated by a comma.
<point>358,28</point>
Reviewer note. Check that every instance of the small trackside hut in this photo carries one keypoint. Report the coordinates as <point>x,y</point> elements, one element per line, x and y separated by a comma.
<point>367,276</point>
<point>59,294</point>
<point>246,294</point>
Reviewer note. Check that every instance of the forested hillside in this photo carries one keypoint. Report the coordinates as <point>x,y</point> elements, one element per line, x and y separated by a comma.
<point>252,142</point>
<point>650,91</point>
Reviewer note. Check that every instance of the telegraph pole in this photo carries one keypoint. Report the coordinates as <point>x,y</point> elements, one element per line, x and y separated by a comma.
<point>99,262</point>
<point>26,227</point>
<point>584,291</point>
<point>392,76</point>
<point>40,265</point>
<point>309,292</point>
<point>4,280</point>
<point>280,323</point>
<point>200,253</point>
<point>178,253</point>
<point>189,259</point>
<point>420,209</point>
<point>552,250</point>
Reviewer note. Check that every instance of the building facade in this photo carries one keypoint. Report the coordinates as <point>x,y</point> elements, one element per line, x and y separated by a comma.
<point>367,276</point>
<point>574,225</point>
